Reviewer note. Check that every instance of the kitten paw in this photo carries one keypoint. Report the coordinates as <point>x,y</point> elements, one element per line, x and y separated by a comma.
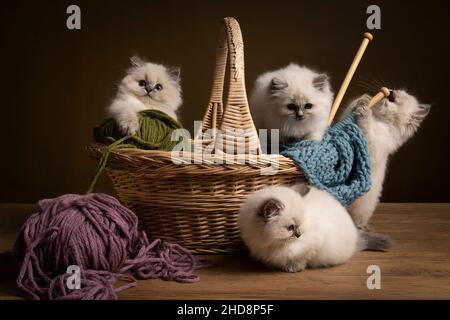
<point>361,108</point>
<point>129,126</point>
<point>294,267</point>
<point>361,224</point>
<point>363,227</point>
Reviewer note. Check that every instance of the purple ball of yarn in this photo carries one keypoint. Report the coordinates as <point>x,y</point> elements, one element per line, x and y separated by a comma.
<point>100,236</point>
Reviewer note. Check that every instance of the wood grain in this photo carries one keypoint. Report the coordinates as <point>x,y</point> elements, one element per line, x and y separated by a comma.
<point>348,77</point>
<point>417,266</point>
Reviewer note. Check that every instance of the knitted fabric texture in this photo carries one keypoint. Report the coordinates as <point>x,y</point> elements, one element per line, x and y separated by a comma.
<point>338,164</point>
<point>100,236</point>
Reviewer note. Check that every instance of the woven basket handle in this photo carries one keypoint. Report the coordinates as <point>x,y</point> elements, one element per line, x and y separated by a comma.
<point>237,113</point>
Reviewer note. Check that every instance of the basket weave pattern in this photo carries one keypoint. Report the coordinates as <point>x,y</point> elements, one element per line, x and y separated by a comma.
<point>196,205</point>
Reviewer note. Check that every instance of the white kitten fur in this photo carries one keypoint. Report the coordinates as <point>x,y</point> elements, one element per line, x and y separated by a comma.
<point>294,99</point>
<point>328,235</point>
<point>386,127</point>
<point>146,86</point>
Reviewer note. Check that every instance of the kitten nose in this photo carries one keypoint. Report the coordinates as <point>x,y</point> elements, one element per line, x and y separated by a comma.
<point>299,115</point>
<point>391,96</point>
<point>296,231</point>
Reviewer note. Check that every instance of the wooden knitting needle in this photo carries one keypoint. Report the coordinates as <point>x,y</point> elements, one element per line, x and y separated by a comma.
<point>384,93</point>
<point>340,95</point>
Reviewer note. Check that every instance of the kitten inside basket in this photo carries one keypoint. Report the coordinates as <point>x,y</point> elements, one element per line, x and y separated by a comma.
<point>294,99</point>
<point>146,86</point>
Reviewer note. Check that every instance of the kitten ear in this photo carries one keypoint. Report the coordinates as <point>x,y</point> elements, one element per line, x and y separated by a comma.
<point>321,82</point>
<point>174,73</point>
<point>423,111</point>
<point>270,208</point>
<point>136,61</point>
<point>277,84</point>
<point>302,188</point>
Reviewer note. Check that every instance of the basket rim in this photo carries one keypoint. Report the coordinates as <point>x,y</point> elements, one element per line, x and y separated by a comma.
<point>134,157</point>
<point>99,147</point>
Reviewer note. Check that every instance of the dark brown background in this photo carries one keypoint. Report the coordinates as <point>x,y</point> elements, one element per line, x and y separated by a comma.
<point>56,83</point>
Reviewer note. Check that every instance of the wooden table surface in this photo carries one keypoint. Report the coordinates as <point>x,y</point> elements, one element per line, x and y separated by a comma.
<point>416,267</point>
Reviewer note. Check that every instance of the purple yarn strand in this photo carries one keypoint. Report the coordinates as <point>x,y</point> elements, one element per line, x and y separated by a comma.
<point>98,234</point>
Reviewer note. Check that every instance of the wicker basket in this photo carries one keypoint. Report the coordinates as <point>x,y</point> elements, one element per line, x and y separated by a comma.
<point>196,205</point>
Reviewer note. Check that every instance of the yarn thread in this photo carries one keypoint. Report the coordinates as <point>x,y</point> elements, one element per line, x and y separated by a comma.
<point>154,133</point>
<point>338,164</point>
<point>98,234</point>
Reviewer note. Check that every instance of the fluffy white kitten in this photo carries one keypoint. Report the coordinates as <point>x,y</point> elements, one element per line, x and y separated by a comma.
<point>292,228</point>
<point>145,86</point>
<point>294,99</point>
<point>386,127</point>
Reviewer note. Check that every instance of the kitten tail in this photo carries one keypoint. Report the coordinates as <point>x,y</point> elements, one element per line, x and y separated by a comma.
<point>371,241</point>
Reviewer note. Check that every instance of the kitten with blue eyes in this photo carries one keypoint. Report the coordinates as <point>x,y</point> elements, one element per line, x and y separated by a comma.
<point>145,86</point>
<point>296,100</point>
<point>295,227</point>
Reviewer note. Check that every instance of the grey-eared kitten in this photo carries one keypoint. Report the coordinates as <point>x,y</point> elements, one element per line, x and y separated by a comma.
<point>295,99</point>
<point>386,127</point>
<point>291,228</point>
<point>145,86</point>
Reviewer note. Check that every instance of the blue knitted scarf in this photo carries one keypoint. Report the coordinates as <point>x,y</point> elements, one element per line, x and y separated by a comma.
<point>338,164</point>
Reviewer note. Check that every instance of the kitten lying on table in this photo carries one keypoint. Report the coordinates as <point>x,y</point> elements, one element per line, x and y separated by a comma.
<point>146,86</point>
<point>292,228</point>
<point>386,127</point>
<point>294,99</point>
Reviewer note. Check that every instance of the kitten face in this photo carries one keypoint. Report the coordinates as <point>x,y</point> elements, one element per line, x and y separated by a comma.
<point>295,100</point>
<point>298,101</point>
<point>279,215</point>
<point>279,220</point>
<point>402,112</point>
<point>152,84</point>
<point>299,94</point>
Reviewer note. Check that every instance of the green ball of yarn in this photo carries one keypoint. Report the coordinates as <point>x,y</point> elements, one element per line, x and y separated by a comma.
<point>154,133</point>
